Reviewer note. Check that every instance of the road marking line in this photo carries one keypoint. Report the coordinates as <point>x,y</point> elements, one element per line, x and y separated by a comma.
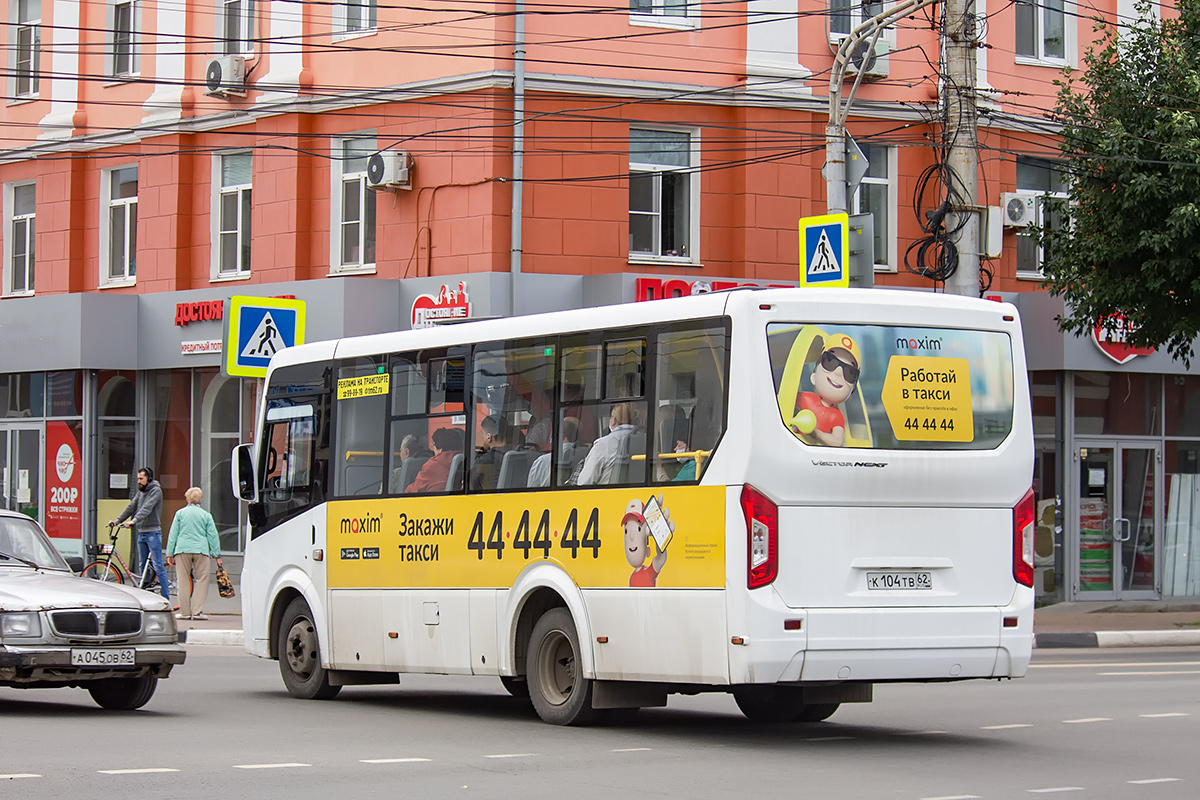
<point>954,797</point>
<point>921,733</point>
<point>16,775</point>
<point>831,739</point>
<point>271,766</point>
<point>1056,789</point>
<point>1168,714</point>
<point>391,760</point>
<point>632,750</point>
<point>1086,719</point>
<point>135,771</point>
<point>1006,727</point>
<point>1085,665</point>
<point>1154,780</point>
<point>512,755</point>
<point>1156,672</point>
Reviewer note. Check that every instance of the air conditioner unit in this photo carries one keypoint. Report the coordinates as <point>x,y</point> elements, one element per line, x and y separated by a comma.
<point>1019,208</point>
<point>389,169</point>
<point>872,63</point>
<point>225,76</point>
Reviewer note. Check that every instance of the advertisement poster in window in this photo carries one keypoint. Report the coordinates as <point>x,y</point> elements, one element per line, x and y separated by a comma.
<point>64,487</point>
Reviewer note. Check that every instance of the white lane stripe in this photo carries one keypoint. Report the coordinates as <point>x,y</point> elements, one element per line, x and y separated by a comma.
<point>1056,789</point>
<point>1156,672</point>
<point>1086,665</point>
<point>135,771</point>
<point>1154,780</point>
<point>1006,727</point>
<point>271,766</point>
<point>922,733</point>
<point>15,775</point>
<point>1168,714</point>
<point>391,760</point>
<point>512,755</point>
<point>954,797</point>
<point>632,750</point>
<point>1085,720</point>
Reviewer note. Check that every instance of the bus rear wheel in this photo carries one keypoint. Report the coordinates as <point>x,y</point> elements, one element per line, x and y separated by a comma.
<point>779,704</point>
<point>560,693</point>
<point>300,655</point>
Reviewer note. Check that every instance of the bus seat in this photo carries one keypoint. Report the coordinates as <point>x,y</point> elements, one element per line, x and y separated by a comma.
<point>514,469</point>
<point>626,469</point>
<point>362,473</point>
<point>407,473</point>
<point>454,481</point>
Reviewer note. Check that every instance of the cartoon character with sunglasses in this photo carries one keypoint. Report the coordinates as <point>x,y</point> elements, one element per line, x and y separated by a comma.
<point>833,380</point>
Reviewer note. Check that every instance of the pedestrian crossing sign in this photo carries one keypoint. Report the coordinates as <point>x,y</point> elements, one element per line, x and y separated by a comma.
<point>259,327</point>
<point>825,250</point>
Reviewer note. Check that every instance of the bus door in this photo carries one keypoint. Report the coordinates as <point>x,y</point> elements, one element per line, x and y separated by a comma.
<point>1118,514</point>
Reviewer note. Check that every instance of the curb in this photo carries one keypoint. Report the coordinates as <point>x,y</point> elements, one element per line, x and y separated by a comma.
<point>204,636</point>
<point>1175,638</point>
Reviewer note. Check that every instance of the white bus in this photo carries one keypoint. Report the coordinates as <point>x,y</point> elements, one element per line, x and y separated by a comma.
<point>786,494</point>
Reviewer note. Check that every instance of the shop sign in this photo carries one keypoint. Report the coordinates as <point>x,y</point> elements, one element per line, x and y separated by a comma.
<point>657,289</point>
<point>448,305</point>
<point>198,312</point>
<point>1110,334</point>
<point>200,347</point>
<point>64,482</point>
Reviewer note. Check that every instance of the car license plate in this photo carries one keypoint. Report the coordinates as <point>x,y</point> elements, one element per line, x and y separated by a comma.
<point>103,657</point>
<point>899,580</point>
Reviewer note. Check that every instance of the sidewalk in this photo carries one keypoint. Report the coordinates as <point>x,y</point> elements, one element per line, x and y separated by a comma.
<point>1090,624</point>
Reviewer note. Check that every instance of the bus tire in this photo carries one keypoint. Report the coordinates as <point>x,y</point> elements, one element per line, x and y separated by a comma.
<point>517,687</point>
<point>560,693</point>
<point>769,703</point>
<point>300,655</point>
<point>817,712</point>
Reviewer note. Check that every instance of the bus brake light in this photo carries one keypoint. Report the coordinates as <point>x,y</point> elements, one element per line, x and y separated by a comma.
<point>1023,540</point>
<point>762,538</point>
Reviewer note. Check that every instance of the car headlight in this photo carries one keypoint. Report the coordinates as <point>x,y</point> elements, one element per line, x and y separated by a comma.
<point>20,625</point>
<point>158,623</point>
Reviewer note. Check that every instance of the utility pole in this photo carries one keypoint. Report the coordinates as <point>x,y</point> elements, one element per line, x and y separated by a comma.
<point>962,157</point>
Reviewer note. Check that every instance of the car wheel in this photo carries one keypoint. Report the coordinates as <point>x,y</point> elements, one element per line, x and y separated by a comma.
<point>102,571</point>
<point>769,703</point>
<point>560,693</point>
<point>300,655</point>
<point>123,694</point>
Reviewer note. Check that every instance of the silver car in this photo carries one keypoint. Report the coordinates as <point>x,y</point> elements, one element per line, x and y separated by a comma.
<point>59,630</point>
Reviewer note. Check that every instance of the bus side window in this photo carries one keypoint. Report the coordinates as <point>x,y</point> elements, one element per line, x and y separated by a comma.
<point>690,386</point>
<point>361,420</point>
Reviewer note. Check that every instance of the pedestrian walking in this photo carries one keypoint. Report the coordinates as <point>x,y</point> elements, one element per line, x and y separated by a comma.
<point>192,541</point>
<point>144,513</point>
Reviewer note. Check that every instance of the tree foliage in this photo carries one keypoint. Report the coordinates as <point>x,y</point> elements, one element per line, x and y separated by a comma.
<point>1131,145</point>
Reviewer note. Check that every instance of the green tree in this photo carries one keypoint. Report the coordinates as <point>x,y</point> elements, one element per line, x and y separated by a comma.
<point>1131,145</point>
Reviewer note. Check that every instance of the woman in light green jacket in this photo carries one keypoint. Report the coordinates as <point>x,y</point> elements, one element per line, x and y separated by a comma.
<point>192,541</point>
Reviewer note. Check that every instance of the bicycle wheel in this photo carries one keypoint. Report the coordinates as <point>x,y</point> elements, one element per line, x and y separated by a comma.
<point>102,571</point>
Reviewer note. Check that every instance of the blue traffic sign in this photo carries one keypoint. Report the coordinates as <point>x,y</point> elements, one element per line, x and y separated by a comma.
<point>259,327</point>
<point>825,250</point>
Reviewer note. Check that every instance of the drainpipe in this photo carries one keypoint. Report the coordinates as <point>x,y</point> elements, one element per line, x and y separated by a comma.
<point>518,149</point>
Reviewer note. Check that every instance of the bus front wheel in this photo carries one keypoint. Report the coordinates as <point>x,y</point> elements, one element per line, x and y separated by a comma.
<point>560,693</point>
<point>300,655</point>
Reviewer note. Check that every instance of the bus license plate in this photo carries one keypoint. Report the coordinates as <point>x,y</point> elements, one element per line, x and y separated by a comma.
<point>899,580</point>
<point>108,657</point>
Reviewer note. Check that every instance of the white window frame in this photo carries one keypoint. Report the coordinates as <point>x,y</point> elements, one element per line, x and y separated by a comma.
<point>339,227</point>
<point>11,237</point>
<point>243,16</point>
<point>25,59</point>
<point>128,205</point>
<point>1039,37</point>
<point>113,68</point>
<point>243,194</point>
<point>692,171</point>
<point>362,14</point>
<point>856,12</point>
<point>1038,219</point>
<point>857,204</point>
<point>656,13</point>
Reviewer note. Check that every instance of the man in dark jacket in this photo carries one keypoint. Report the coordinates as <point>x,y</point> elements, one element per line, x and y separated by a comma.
<point>145,517</point>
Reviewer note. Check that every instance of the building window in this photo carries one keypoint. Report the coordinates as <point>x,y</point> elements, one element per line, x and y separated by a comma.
<point>237,26</point>
<point>354,207</point>
<point>233,205</point>
<point>1041,178</point>
<point>28,46</point>
<point>845,16</point>
<point>119,228</point>
<point>123,52</point>
<point>874,196</point>
<point>20,205</point>
<point>663,185</point>
<point>355,16</point>
<point>664,11</point>
<point>1041,30</point>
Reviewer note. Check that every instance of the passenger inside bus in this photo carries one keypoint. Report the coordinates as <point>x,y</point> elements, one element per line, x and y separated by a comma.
<point>539,472</point>
<point>674,435</point>
<point>447,443</point>
<point>604,459</point>
<point>413,456</point>
<point>495,437</point>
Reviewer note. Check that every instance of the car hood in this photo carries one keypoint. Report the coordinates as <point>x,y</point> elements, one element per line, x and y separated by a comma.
<point>27,589</point>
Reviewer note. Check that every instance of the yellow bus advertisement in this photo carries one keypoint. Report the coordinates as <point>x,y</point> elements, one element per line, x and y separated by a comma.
<point>673,537</point>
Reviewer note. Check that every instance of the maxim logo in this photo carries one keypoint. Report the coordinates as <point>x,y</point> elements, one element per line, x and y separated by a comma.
<point>365,524</point>
<point>879,464</point>
<point>927,343</point>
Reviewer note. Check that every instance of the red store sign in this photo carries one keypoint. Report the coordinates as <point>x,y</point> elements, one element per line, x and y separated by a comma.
<point>1112,341</point>
<point>658,289</point>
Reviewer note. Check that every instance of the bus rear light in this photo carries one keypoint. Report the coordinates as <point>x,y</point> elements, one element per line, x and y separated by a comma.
<point>1023,540</point>
<point>762,538</point>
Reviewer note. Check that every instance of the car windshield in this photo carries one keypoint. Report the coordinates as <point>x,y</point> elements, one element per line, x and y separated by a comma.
<point>21,538</point>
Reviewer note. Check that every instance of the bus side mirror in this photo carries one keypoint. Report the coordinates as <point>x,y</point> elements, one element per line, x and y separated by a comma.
<point>245,485</point>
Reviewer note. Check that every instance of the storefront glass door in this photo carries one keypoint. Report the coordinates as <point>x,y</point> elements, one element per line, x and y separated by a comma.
<point>1118,521</point>
<point>21,469</point>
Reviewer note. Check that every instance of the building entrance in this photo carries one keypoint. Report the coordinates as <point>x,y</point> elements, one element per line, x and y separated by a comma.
<point>1118,515</point>
<point>21,468</point>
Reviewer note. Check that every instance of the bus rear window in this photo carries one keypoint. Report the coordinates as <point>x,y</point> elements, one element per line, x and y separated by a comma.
<point>892,387</point>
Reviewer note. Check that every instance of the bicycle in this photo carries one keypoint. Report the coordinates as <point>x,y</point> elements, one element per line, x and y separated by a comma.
<point>103,568</point>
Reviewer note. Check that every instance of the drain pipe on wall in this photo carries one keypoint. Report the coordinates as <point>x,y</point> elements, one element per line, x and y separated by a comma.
<point>518,150</point>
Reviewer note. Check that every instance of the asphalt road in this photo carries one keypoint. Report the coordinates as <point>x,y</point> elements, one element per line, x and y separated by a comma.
<point>1087,724</point>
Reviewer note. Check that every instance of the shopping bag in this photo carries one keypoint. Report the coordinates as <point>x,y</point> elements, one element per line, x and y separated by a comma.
<point>224,585</point>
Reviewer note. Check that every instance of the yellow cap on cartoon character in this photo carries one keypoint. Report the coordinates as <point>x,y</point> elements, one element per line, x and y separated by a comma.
<point>834,341</point>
